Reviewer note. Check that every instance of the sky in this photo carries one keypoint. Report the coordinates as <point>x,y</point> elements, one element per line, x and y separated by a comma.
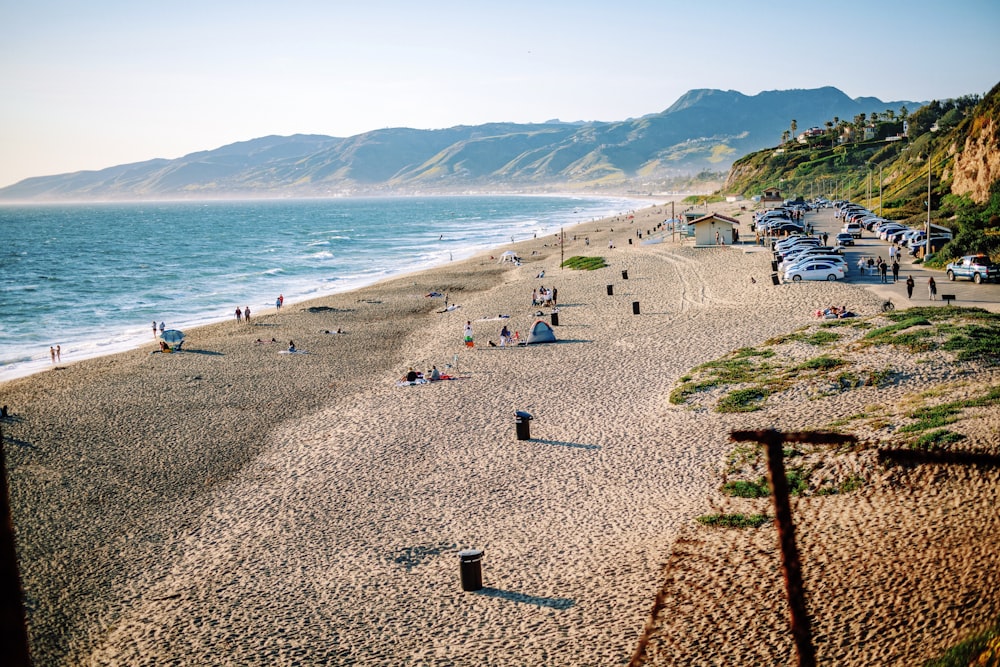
<point>89,85</point>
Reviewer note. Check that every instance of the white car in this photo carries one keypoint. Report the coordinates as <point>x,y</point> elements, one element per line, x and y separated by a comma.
<point>812,259</point>
<point>817,270</point>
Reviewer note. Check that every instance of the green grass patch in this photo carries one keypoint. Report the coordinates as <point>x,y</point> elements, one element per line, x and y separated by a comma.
<point>582,263</point>
<point>852,483</point>
<point>879,378</point>
<point>914,341</point>
<point>741,455</point>
<point>936,440</point>
<point>742,488</point>
<point>976,650</point>
<point>976,343</point>
<point>934,416</point>
<point>821,363</point>
<point>680,394</point>
<point>798,483</point>
<point>744,352</point>
<point>733,520</point>
<point>822,337</point>
<point>742,400</point>
<point>887,331</point>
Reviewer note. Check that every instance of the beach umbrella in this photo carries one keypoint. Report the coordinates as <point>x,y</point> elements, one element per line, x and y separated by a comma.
<point>172,337</point>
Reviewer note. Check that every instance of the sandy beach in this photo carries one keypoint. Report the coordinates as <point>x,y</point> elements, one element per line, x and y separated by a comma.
<point>234,505</point>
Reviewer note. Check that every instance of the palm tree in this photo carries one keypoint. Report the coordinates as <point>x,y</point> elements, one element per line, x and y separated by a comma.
<point>784,137</point>
<point>795,126</point>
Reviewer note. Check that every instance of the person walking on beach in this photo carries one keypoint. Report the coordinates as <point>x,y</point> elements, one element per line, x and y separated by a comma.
<point>909,287</point>
<point>52,353</point>
<point>467,334</point>
<point>59,353</point>
<point>281,301</point>
<point>246,314</point>
<point>239,314</point>
<point>931,288</point>
<point>163,327</point>
<point>154,328</point>
<point>895,271</point>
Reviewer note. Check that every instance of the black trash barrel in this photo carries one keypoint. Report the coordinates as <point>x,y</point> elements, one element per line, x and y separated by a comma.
<point>555,319</point>
<point>522,423</point>
<point>630,241</point>
<point>635,307</point>
<point>625,274</point>
<point>471,565</point>
<point>774,265</point>
<point>611,290</point>
<point>774,279</point>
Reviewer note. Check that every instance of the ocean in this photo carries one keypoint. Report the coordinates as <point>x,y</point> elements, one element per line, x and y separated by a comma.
<point>92,278</point>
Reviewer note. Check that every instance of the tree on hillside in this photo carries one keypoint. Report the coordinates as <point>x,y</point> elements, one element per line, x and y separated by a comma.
<point>794,127</point>
<point>890,114</point>
<point>784,137</point>
<point>903,112</point>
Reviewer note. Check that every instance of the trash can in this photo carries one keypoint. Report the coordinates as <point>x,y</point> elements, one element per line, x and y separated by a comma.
<point>630,241</point>
<point>611,290</point>
<point>522,423</point>
<point>774,279</point>
<point>625,274</point>
<point>471,566</point>
<point>774,265</point>
<point>555,319</point>
<point>635,307</point>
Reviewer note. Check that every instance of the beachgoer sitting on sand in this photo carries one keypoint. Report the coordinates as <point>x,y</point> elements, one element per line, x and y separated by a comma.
<point>435,374</point>
<point>291,346</point>
<point>411,375</point>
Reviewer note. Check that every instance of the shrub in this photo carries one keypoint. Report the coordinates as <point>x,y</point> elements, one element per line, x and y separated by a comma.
<point>742,400</point>
<point>746,489</point>
<point>733,520</point>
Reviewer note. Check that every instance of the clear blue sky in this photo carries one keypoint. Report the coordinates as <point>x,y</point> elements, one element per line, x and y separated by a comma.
<point>87,85</point>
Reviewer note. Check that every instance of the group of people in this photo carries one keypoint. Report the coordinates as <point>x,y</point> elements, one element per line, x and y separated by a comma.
<point>544,297</point>
<point>412,376</point>
<point>243,314</point>
<point>835,312</point>
<point>55,353</point>
<point>881,267</point>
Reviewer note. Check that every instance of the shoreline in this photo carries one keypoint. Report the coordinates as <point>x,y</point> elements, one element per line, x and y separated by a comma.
<point>134,336</point>
<point>234,503</point>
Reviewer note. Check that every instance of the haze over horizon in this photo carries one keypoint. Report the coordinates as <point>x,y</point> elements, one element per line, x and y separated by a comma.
<point>112,82</point>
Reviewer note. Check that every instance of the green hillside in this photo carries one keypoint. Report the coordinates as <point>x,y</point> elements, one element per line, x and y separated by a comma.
<point>867,159</point>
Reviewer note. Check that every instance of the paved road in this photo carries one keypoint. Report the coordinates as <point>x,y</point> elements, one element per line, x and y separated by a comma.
<point>966,292</point>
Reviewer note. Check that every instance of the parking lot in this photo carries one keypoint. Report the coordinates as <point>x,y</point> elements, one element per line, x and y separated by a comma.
<point>966,292</point>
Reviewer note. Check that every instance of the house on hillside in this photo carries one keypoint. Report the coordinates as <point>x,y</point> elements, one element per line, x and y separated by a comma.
<point>715,229</point>
<point>771,198</point>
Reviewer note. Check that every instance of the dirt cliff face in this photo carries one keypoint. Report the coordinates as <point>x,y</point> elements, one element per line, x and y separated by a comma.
<point>978,165</point>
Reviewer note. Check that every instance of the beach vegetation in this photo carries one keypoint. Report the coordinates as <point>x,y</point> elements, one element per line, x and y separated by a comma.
<point>742,488</point>
<point>583,263</point>
<point>680,394</point>
<point>742,400</point>
<point>937,439</point>
<point>733,520</point>
<point>930,417</point>
<point>976,343</point>
<point>981,649</point>
<point>887,331</point>
<point>741,455</point>
<point>822,337</point>
<point>821,363</point>
<point>753,352</point>
<point>879,377</point>
<point>798,481</point>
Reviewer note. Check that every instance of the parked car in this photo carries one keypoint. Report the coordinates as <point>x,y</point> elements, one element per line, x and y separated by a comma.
<point>975,267</point>
<point>852,228</point>
<point>845,238</point>
<point>800,261</point>
<point>817,270</point>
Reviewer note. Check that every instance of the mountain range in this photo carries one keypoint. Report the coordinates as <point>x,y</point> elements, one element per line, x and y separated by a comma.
<point>704,130</point>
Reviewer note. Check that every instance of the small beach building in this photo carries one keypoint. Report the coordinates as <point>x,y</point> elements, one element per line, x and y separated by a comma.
<point>714,229</point>
<point>771,198</point>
